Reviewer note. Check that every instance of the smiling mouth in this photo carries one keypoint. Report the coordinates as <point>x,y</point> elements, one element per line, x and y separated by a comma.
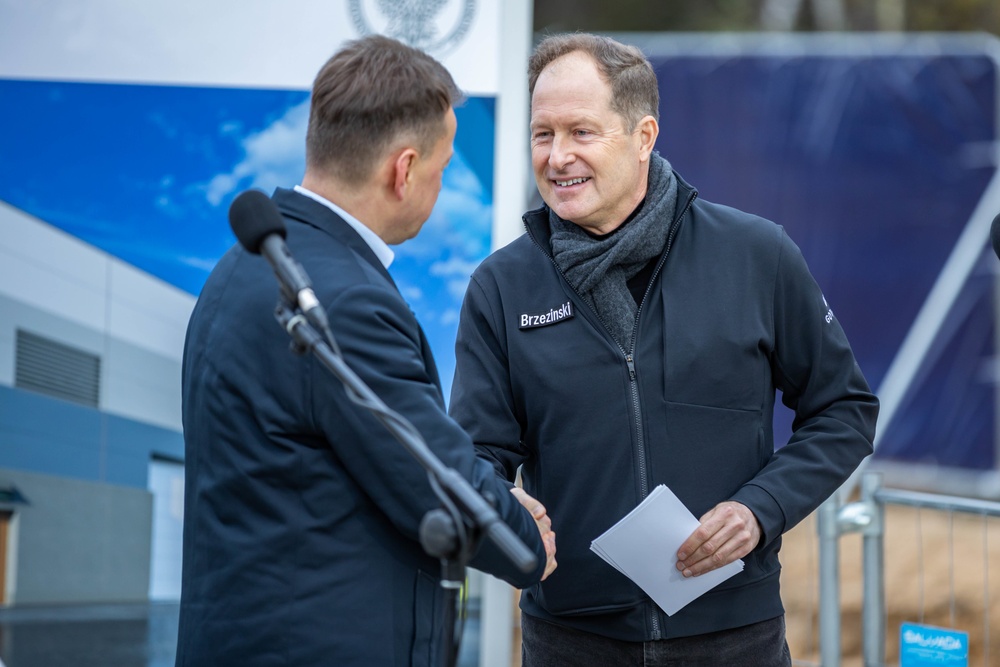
<point>572,181</point>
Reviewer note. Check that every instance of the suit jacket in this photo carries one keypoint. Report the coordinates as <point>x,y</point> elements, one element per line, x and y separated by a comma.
<point>301,509</point>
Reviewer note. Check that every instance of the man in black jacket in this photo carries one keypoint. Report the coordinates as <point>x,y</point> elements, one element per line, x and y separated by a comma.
<point>301,509</point>
<point>636,336</point>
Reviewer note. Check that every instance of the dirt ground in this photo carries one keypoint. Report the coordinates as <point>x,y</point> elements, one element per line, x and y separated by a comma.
<point>941,569</point>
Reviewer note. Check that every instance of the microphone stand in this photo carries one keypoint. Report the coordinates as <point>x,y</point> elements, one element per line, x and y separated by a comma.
<point>450,533</point>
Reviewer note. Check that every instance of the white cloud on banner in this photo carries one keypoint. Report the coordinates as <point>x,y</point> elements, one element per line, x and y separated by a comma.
<point>455,271</point>
<point>274,157</point>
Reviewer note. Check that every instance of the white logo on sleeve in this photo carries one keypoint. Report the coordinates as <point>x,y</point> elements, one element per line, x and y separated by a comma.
<point>829,311</point>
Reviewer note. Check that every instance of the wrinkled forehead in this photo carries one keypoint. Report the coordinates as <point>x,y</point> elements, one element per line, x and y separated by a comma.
<point>571,82</point>
<point>574,67</point>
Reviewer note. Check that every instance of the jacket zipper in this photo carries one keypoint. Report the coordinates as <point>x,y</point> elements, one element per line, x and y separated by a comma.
<point>637,415</point>
<point>654,616</point>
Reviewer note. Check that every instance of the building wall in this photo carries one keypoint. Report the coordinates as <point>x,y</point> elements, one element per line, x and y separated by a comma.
<point>85,532</point>
<point>77,541</point>
<point>57,286</point>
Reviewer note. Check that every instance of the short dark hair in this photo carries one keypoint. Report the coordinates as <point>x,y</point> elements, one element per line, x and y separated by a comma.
<point>372,92</point>
<point>634,90</point>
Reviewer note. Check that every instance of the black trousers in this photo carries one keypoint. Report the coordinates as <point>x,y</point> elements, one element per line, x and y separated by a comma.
<point>761,644</point>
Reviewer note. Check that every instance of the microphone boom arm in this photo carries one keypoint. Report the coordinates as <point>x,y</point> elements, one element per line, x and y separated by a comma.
<point>442,531</point>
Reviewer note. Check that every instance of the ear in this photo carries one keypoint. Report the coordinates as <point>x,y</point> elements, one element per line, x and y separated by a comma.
<point>648,130</point>
<point>402,171</point>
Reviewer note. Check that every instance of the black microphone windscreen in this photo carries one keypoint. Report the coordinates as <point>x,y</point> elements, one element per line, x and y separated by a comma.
<point>254,217</point>
<point>995,235</point>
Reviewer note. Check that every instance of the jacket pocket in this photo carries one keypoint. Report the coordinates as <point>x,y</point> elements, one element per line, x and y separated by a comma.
<point>584,584</point>
<point>707,453</point>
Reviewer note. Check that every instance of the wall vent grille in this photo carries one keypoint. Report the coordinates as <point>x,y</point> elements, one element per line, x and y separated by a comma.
<point>57,370</point>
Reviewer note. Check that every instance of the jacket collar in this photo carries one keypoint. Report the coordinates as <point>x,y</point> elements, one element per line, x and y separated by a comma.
<point>300,208</point>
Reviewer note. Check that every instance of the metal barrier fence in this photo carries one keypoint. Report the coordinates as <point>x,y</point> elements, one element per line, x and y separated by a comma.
<point>867,517</point>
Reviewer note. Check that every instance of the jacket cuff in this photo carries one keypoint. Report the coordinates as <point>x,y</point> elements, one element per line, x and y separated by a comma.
<point>763,505</point>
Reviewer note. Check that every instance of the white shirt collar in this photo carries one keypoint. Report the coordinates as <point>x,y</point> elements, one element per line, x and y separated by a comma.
<point>378,246</point>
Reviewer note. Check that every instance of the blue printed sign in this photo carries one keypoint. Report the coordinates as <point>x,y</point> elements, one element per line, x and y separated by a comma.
<point>927,646</point>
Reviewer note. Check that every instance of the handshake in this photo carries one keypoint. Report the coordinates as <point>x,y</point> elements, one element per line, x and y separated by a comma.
<point>544,523</point>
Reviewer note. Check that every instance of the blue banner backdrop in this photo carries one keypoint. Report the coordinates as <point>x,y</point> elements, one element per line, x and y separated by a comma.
<point>873,164</point>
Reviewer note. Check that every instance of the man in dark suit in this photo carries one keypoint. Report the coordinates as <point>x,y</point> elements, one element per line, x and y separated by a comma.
<point>301,510</point>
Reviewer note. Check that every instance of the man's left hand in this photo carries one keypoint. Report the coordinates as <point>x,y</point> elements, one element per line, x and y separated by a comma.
<point>727,532</point>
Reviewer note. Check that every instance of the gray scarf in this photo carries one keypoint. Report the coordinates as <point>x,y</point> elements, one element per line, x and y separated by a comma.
<point>600,268</point>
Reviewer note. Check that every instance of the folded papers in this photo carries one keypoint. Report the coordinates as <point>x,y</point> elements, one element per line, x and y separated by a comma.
<point>643,546</point>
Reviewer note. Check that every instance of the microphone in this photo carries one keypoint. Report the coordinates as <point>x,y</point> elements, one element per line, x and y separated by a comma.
<point>260,229</point>
<point>995,235</point>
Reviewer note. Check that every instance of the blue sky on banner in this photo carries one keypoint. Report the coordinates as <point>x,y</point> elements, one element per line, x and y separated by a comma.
<point>147,173</point>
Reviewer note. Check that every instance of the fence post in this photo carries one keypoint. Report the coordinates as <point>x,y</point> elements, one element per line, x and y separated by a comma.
<point>829,583</point>
<point>873,561</point>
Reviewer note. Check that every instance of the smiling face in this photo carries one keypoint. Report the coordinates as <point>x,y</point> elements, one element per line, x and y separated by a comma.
<point>589,168</point>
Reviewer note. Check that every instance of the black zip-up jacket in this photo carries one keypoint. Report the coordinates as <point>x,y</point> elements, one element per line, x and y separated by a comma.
<point>731,315</point>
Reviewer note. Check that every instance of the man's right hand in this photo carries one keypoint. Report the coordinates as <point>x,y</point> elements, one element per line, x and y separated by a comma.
<point>544,524</point>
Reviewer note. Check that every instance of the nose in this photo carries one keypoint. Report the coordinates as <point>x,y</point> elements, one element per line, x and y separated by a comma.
<point>561,152</point>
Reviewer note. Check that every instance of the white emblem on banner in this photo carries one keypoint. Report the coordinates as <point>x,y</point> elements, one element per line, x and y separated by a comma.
<point>435,26</point>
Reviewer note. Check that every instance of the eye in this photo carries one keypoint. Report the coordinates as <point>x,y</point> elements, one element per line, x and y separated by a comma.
<point>541,135</point>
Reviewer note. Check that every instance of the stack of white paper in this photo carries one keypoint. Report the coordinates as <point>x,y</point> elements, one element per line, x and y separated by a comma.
<point>643,546</point>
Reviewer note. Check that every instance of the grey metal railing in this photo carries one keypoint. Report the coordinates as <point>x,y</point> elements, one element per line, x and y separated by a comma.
<point>867,517</point>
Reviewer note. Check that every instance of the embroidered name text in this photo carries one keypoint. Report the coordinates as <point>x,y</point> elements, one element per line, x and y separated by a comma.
<point>563,312</point>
